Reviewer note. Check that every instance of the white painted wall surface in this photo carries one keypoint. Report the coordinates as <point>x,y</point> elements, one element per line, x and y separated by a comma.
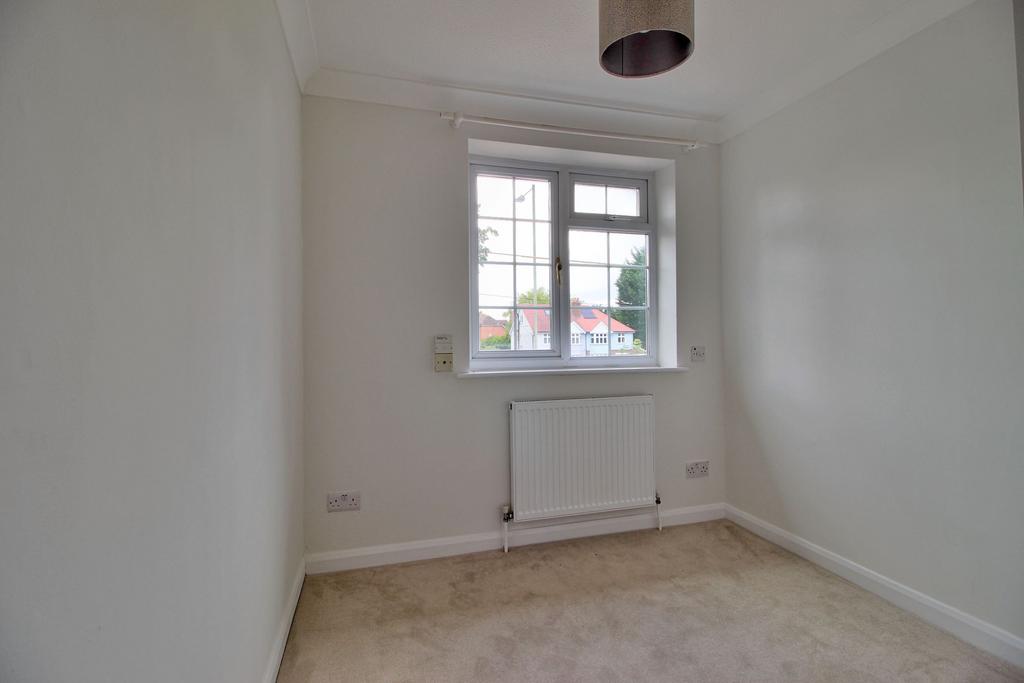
<point>150,344</point>
<point>1018,30</point>
<point>873,298</point>
<point>385,220</point>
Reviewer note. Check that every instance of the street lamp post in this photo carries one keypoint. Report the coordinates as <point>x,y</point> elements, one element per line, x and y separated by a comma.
<point>533,221</point>
<point>533,217</point>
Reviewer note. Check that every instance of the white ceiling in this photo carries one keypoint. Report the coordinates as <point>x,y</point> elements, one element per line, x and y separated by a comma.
<point>549,49</point>
<point>749,53</point>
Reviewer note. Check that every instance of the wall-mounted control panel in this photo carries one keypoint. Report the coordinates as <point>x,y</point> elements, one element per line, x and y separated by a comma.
<point>444,353</point>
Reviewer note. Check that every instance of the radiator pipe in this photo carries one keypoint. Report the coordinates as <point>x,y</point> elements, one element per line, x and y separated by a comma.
<point>506,515</point>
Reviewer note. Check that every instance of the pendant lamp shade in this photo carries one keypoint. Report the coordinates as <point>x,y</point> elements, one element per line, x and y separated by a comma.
<point>645,37</point>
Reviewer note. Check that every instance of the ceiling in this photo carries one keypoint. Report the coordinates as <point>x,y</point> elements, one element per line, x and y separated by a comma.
<point>747,51</point>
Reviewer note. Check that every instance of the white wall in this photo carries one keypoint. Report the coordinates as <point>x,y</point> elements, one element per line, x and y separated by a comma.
<point>873,245</point>
<point>150,351</point>
<point>385,220</point>
<point>1018,27</point>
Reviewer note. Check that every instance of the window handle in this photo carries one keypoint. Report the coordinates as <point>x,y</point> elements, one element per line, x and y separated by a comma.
<point>558,270</point>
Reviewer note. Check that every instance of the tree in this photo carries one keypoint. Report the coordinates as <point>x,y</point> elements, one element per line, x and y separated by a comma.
<point>535,297</point>
<point>632,288</point>
<point>483,252</point>
<point>500,342</point>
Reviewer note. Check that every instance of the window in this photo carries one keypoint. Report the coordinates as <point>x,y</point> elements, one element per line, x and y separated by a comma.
<point>609,198</point>
<point>554,281</point>
<point>514,242</point>
<point>608,287</point>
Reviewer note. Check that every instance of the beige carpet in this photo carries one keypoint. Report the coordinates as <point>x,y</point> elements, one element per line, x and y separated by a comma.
<point>705,602</point>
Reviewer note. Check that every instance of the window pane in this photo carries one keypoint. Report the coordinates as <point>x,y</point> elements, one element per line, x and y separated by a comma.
<point>588,286</point>
<point>588,246</point>
<point>495,285</point>
<point>533,285</point>
<point>494,196</point>
<point>623,201</point>
<point>495,240</point>
<point>533,332</point>
<point>589,332</point>
<point>533,199</point>
<point>629,286</point>
<point>589,198</point>
<point>627,249</point>
<point>628,333</point>
<point>533,242</point>
<point>494,324</point>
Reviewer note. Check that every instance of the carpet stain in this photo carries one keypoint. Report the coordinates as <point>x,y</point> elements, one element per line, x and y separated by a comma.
<point>704,602</point>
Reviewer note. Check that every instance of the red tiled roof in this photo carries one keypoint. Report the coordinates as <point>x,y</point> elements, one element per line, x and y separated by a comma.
<point>539,320</point>
<point>488,321</point>
<point>486,332</point>
<point>589,318</point>
<point>491,327</point>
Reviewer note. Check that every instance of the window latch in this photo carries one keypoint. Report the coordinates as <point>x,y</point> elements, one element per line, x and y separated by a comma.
<point>558,270</point>
<point>619,218</point>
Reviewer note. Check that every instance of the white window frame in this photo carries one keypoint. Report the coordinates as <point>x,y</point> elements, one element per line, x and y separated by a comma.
<point>509,171</point>
<point>612,179</point>
<point>565,218</point>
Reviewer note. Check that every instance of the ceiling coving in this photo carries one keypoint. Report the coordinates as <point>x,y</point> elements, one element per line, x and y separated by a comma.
<point>533,60</point>
<point>640,38</point>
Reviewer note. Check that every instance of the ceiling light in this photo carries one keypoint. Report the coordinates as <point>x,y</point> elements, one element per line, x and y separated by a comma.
<point>645,37</point>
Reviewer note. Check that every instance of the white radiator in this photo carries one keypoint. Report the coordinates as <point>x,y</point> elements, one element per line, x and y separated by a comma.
<point>581,456</point>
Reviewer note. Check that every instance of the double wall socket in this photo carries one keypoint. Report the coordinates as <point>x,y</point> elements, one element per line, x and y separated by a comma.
<point>699,468</point>
<point>341,501</point>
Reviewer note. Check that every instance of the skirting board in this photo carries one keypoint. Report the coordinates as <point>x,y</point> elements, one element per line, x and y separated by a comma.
<point>373,556</point>
<point>979,633</point>
<point>285,625</point>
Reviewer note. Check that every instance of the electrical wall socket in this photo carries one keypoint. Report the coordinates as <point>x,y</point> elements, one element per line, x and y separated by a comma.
<point>700,468</point>
<point>697,354</point>
<point>342,501</point>
<point>443,362</point>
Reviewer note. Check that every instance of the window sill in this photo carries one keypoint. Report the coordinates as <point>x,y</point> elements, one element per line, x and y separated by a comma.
<point>636,370</point>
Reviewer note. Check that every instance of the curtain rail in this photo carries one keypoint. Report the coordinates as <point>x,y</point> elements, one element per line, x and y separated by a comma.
<point>458,118</point>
